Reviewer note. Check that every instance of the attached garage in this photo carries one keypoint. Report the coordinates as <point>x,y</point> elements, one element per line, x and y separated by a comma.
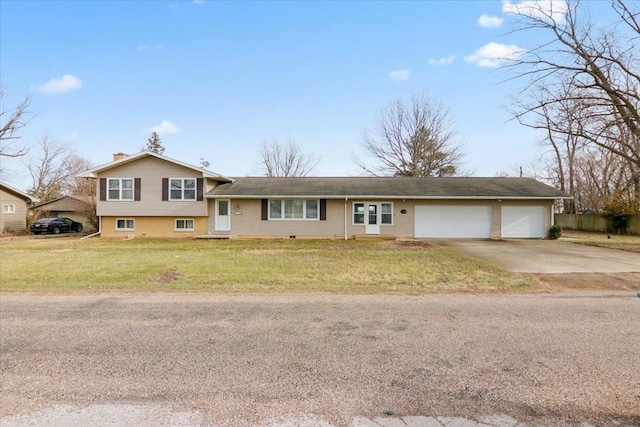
<point>453,222</point>
<point>522,222</point>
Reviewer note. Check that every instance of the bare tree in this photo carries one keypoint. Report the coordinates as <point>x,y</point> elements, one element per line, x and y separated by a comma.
<point>53,170</point>
<point>560,122</point>
<point>599,64</point>
<point>154,144</point>
<point>11,121</point>
<point>84,189</point>
<point>417,137</point>
<point>285,160</point>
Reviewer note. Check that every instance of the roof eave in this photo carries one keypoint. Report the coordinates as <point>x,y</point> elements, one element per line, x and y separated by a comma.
<point>364,196</point>
<point>93,173</point>
<point>20,193</point>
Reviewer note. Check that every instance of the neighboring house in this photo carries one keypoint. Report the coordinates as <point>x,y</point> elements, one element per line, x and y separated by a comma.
<point>71,207</point>
<point>147,194</point>
<point>15,205</point>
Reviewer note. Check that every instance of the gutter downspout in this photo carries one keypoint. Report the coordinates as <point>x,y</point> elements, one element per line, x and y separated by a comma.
<point>97,232</point>
<point>345,218</point>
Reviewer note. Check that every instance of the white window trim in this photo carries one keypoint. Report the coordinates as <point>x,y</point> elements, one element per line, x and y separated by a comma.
<point>353,212</point>
<point>8,209</point>
<point>393,215</point>
<point>304,210</point>
<point>182,199</point>
<point>182,230</point>
<point>133,190</point>
<point>126,228</point>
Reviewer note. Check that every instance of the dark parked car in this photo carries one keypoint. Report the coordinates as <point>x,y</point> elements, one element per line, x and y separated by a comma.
<point>55,226</point>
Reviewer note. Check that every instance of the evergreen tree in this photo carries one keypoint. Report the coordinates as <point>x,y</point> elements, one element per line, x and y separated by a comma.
<point>154,144</point>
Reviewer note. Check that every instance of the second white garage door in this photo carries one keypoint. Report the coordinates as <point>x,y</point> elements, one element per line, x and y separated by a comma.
<point>523,222</point>
<point>453,222</point>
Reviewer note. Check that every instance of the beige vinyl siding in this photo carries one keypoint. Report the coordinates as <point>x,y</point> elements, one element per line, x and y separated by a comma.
<point>249,223</point>
<point>246,218</point>
<point>402,223</point>
<point>17,220</point>
<point>152,227</point>
<point>151,171</point>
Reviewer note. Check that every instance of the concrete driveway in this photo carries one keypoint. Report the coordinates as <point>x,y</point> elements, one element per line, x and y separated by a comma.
<point>549,256</point>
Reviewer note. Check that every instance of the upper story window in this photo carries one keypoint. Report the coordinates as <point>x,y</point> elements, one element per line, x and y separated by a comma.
<point>182,189</point>
<point>293,209</point>
<point>120,189</point>
<point>8,209</point>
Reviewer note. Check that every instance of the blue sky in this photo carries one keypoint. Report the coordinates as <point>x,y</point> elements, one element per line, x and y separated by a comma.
<point>218,78</point>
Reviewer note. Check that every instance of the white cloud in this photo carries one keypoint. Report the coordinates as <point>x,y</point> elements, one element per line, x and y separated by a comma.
<point>62,84</point>
<point>150,47</point>
<point>165,127</point>
<point>495,54</point>
<point>489,21</point>
<point>442,61</point>
<point>400,75</point>
<point>538,9</point>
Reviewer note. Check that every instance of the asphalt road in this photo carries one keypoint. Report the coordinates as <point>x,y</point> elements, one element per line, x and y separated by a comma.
<point>563,359</point>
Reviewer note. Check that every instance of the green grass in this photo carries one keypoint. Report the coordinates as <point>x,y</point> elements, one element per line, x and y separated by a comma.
<point>624,242</point>
<point>361,266</point>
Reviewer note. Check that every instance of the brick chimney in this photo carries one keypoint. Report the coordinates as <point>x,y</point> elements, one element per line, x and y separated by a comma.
<point>119,156</point>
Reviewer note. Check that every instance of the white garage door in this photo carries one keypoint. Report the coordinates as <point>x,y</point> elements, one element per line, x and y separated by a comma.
<point>453,221</point>
<point>523,222</point>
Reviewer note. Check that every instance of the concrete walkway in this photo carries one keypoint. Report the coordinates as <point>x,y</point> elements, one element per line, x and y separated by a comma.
<point>125,415</point>
<point>549,256</point>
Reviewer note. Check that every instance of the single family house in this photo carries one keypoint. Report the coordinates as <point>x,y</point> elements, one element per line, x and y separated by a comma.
<point>148,194</point>
<point>15,205</point>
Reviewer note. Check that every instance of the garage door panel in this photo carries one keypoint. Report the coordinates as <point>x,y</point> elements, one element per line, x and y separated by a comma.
<point>453,222</point>
<point>522,222</point>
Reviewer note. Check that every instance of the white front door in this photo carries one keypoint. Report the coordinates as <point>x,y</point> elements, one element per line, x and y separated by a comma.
<point>372,218</point>
<point>222,215</point>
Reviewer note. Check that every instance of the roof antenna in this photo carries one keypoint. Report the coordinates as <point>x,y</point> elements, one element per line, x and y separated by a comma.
<point>203,163</point>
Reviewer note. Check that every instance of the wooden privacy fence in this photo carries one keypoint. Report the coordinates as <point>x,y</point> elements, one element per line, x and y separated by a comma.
<point>595,223</point>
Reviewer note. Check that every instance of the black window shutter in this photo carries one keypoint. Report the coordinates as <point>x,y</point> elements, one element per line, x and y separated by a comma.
<point>137,184</point>
<point>323,209</point>
<point>265,209</point>
<point>103,189</point>
<point>200,189</point>
<point>165,189</point>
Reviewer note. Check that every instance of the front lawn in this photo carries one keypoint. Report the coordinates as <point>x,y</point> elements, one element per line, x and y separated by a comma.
<point>625,242</point>
<point>360,266</point>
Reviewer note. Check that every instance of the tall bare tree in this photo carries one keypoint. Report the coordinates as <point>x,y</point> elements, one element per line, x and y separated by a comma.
<point>53,169</point>
<point>561,122</point>
<point>599,64</point>
<point>417,138</point>
<point>285,160</point>
<point>11,121</point>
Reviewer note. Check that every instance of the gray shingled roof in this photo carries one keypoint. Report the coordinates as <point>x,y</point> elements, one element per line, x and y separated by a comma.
<point>420,188</point>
